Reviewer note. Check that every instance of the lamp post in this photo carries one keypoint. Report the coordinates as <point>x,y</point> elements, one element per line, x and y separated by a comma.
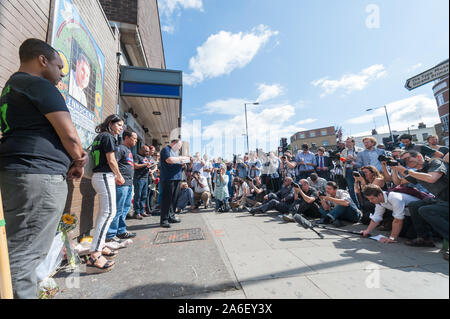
<point>387,117</point>
<point>409,132</point>
<point>246,123</point>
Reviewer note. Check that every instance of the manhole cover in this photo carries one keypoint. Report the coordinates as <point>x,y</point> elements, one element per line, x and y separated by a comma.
<point>176,236</point>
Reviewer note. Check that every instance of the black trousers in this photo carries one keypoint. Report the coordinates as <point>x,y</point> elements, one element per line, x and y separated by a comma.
<point>169,195</point>
<point>309,210</point>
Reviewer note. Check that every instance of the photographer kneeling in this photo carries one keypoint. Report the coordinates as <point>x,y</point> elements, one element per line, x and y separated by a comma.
<point>433,175</point>
<point>306,203</point>
<point>280,201</point>
<point>337,205</point>
<point>394,201</point>
<point>257,192</point>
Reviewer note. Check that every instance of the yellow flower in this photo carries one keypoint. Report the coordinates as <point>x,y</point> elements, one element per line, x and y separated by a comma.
<point>68,219</point>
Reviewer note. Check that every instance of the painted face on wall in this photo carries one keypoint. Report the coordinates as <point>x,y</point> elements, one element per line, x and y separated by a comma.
<point>83,73</point>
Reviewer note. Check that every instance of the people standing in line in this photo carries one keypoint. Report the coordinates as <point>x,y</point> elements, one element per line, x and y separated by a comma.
<point>254,165</point>
<point>170,178</point>
<point>118,228</point>
<point>140,181</point>
<point>242,167</point>
<point>306,162</point>
<point>104,180</point>
<point>39,150</point>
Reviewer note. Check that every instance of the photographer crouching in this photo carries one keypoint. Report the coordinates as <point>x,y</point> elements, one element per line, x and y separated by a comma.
<point>305,199</point>
<point>337,205</point>
<point>257,191</point>
<point>280,201</point>
<point>427,214</point>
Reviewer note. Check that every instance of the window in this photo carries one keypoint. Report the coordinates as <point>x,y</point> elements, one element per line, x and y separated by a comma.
<point>312,134</point>
<point>324,132</point>
<point>302,135</point>
<point>440,99</point>
<point>444,120</point>
<point>325,143</point>
<point>425,135</point>
<point>414,138</point>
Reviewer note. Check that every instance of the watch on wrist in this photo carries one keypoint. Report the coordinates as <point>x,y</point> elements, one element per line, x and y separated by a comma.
<point>392,238</point>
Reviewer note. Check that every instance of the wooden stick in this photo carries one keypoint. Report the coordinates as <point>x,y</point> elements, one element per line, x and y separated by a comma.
<point>6,291</point>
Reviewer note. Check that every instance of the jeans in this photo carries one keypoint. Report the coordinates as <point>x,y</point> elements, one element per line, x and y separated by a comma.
<point>123,204</point>
<point>140,195</point>
<point>351,184</point>
<point>343,213</point>
<point>274,203</point>
<point>186,198</point>
<point>427,215</point>
<point>33,205</point>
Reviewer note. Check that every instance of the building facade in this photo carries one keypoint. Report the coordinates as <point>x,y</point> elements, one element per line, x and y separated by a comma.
<point>322,137</point>
<point>440,91</point>
<point>111,36</point>
<point>419,135</point>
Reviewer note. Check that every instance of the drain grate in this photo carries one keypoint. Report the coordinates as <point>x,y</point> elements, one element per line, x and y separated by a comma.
<point>176,236</point>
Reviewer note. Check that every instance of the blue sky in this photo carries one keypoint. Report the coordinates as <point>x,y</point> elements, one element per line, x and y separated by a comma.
<point>310,64</point>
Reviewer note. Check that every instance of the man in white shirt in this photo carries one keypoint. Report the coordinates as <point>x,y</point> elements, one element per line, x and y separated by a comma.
<point>201,189</point>
<point>396,202</point>
<point>207,170</point>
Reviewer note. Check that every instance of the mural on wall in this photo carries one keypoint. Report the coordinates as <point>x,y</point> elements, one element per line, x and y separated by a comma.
<point>84,62</point>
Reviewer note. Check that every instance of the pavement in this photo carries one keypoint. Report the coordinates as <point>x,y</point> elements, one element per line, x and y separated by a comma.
<point>261,257</point>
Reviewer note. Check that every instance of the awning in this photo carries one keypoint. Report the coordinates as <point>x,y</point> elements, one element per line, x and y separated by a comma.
<point>156,96</point>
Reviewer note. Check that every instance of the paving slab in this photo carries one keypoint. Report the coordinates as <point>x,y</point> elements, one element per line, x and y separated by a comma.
<point>267,264</point>
<point>283,288</point>
<point>402,283</point>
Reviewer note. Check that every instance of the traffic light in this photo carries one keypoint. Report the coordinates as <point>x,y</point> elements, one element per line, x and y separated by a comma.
<point>284,144</point>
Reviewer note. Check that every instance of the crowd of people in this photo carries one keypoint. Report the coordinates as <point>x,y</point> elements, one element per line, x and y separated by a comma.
<point>404,191</point>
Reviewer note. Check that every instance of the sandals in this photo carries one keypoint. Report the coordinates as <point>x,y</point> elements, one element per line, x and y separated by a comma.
<point>111,255</point>
<point>92,268</point>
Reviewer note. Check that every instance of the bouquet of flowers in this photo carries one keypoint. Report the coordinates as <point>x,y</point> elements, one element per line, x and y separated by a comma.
<point>66,225</point>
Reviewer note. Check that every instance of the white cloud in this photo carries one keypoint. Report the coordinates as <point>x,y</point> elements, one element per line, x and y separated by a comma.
<point>307,121</point>
<point>227,107</point>
<point>269,92</point>
<point>224,52</point>
<point>351,82</point>
<point>414,67</point>
<point>403,113</point>
<point>167,8</point>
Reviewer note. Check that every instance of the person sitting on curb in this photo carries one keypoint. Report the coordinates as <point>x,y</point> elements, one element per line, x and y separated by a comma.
<point>257,192</point>
<point>280,201</point>
<point>337,205</point>
<point>396,202</point>
<point>201,189</point>
<point>306,203</point>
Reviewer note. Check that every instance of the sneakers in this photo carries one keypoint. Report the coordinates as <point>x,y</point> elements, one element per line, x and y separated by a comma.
<point>288,218</point>
<point>337,223</point>
<point>126,235</point>
<point>324,220</point>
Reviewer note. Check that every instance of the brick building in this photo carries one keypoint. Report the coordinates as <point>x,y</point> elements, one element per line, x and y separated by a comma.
<point>322,137</point>
<point>123,41</point>
<point>440,90</point>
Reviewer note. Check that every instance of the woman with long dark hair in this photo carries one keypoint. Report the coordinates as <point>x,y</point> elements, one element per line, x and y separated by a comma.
<point>106,176</point>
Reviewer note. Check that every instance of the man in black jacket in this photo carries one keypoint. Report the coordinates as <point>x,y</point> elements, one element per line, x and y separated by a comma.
<point>280,201</point>
<point>324,164</point>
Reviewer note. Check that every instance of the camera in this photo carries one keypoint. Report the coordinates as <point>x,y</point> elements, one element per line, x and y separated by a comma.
<point>384,158</point>
<point>322,194</point>
<point>335,155</point>
<point>249,179</point>
<point>297,185</point>
<point>359,174</point>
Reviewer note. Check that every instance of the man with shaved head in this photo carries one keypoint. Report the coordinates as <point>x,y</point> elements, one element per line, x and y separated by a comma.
<point>306,202</point>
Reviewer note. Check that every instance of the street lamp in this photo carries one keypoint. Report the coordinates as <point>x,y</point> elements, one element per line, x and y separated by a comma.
<point>246,123</point>
<point>409,132</point>
<point>387,117</point>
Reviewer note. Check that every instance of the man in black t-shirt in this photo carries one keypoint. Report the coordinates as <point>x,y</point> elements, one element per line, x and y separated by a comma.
<point>124,193</point>
<point>433,175</point>
<point>257,192</point>
<point>140,181</point>
<point>306,202</point>
<point>39,149</point>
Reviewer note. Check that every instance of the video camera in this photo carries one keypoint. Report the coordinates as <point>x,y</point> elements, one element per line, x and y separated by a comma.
<point>359,174</point>
<point>335,155</point>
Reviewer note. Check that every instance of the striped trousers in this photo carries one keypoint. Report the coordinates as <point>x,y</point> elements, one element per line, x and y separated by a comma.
<point>105,186</point>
